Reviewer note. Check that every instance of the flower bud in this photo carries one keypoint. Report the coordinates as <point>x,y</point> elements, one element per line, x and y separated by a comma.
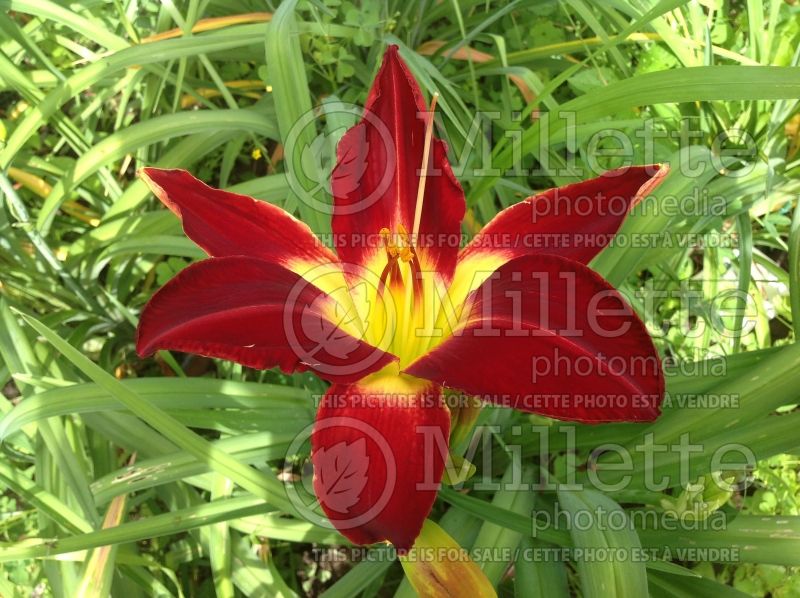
<point>436,566</point>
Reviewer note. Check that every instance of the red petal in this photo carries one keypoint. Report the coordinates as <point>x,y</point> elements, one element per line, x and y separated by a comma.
<point>379,448</point>
<point>548,335</point>
<point>375,180</point>
<point>576,221</point>
<point>225,224</point>
<point>258,314</point>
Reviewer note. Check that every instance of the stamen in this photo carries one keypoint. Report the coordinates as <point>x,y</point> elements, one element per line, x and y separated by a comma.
<point>416,276</point>
<point>388,243</point>
<point>399,249</point>
<point>406,250</point>
<point>424,170</point>
<point>396,276</point>
<point>384,276</point>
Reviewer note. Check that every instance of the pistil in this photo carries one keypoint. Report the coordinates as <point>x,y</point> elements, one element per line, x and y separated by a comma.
<point>426,150</point>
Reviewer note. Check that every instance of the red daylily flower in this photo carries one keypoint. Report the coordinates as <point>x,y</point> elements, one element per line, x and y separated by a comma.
<point>399,312</point>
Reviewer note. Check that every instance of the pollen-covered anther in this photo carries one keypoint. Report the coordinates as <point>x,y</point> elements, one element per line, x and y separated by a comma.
<point>388,243</point>
<point>398,245</point>
<point>399,248</point>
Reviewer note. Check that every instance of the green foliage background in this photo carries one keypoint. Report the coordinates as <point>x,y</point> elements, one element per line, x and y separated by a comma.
<point>176,463</point>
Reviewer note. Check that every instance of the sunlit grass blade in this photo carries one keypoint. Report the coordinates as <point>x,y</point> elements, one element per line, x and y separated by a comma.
<point>260,484</point>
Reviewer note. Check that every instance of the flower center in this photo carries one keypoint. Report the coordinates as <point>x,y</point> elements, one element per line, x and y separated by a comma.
<point>408,299</point>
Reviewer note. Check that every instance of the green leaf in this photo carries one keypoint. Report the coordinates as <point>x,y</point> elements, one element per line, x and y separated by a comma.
<point>262,485</point>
